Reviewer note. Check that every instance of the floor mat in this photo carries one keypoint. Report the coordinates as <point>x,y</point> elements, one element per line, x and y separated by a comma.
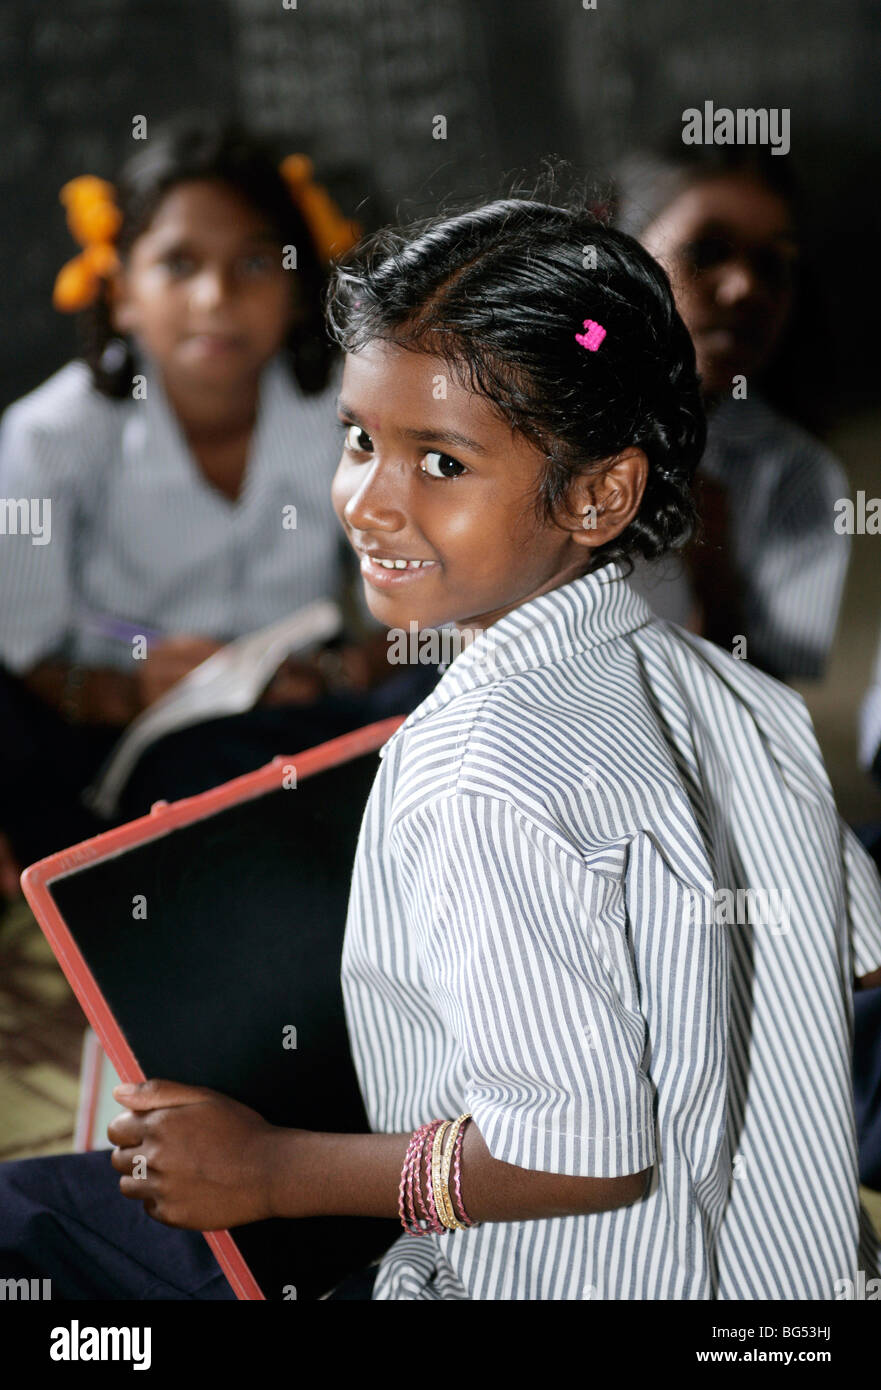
<point>41,1034</point>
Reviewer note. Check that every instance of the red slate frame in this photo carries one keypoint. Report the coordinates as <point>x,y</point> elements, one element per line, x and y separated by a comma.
<point>164,818</point>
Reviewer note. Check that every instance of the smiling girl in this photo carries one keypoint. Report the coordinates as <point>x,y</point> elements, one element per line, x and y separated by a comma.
<point>172,453</point>
<point>577,1090</point>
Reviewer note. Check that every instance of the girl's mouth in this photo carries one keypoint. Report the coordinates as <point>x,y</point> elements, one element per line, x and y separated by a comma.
<point>215,344</point>
<point>394,572</point>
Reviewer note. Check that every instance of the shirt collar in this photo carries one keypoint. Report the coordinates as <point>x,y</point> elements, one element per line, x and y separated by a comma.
<point>152,434</point>
<point>582,614</point>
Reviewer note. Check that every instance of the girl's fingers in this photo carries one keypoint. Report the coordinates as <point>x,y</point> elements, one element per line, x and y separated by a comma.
<point>157,1094</point>
<point>132,1162</point>
<point>125,1129</point>
<point>141,1189</point>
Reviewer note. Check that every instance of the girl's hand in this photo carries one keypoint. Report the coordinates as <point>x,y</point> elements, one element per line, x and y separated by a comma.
<point>294,683</point>
<point>196,1159</point>
<point>168,662</point>
<point>352,668</point>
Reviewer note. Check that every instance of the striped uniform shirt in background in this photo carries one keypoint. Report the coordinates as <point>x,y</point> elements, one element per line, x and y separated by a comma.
<point>137,532</point>
<point>782,487</point>
<point>539,933</point>
<point>870,717</point>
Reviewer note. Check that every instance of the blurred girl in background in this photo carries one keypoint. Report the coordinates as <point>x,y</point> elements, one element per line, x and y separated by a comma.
<point>173,454</point>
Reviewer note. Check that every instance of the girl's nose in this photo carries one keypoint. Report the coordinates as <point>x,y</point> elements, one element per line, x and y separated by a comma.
<point>737,282</point>
<point>208,289</point>
<point>375,504</point>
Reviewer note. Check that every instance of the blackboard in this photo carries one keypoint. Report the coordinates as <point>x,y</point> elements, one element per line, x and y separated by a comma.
<point>236,940</point>
<point>358,83</point>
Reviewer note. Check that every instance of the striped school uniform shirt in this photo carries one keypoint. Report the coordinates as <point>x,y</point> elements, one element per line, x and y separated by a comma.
<point>540,932</point>
<point>870,716</point>
<point>139,535</point>
<point>782,489</point>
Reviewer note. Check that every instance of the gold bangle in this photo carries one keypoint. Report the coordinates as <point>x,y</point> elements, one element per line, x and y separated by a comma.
<point>446,1165</point>
<point>439,1204</point>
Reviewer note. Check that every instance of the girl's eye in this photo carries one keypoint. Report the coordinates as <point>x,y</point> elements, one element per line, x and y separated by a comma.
<point>776,267</point>
<point>178,263</point>
<point>358,440</point>
<point>707,252</point>
<point>438,465</point>
<point>258,264</point>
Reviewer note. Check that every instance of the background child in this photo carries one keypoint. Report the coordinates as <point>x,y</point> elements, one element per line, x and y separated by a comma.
<point>654,1094</point>
<point>722,222</point>
<point>172,456</point>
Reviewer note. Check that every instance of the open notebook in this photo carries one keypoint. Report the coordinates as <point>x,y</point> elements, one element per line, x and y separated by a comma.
<point>196,939</point>
<point>229,682</point>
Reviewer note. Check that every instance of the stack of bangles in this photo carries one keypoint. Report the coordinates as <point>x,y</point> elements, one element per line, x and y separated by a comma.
<point>428,1203</point>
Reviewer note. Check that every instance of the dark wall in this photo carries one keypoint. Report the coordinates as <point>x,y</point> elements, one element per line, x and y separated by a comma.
<point>357,84</point>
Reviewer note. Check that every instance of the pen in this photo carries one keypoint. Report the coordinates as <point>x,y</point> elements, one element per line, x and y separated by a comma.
<point>121,630</point>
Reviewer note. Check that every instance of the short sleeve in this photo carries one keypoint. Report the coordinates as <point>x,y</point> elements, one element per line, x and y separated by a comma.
<point>525,952</point>
<point>37,491</point>
<point>863,904</point>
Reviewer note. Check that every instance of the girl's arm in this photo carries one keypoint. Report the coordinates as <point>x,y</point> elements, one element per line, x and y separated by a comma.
<point>359,1175</point>
<point>202,1161</point>
<point>85,695</point>
<point>104,695</point>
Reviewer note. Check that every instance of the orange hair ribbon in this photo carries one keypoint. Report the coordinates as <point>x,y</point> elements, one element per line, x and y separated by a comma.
<point>94,221</point>
<point>331,232</point>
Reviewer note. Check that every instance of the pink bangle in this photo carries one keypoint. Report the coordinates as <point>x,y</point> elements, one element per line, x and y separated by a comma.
<point>426,1199</point>
<point>410,1194</point>
<point>414,1185</point>
<point>457,1179</point>
<point>406,1210</point>
<point>416,1188</point>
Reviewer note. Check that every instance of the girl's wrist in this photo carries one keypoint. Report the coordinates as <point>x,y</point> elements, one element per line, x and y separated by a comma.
<point>285,1195</point>
<point>310,1173</point>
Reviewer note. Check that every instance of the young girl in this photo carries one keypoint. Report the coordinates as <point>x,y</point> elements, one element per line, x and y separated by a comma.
<point>604,918</point>
<point>186,460</point>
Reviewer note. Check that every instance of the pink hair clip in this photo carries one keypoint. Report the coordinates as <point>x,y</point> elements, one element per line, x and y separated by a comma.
<point>592,337</point>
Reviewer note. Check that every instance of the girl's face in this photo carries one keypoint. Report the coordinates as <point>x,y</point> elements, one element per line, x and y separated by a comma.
<point>204,290</point>
<point>729,247</point>
<point>447,482</point>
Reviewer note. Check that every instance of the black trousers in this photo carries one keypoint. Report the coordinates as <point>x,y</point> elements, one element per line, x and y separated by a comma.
<point>64,1219</point>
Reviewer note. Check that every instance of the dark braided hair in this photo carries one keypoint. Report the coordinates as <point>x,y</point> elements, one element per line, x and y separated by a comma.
<point>191,150</point>
<point>499,292</point>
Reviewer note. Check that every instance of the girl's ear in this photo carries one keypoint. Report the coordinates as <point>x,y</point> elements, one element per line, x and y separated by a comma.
<point>608,498</point>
